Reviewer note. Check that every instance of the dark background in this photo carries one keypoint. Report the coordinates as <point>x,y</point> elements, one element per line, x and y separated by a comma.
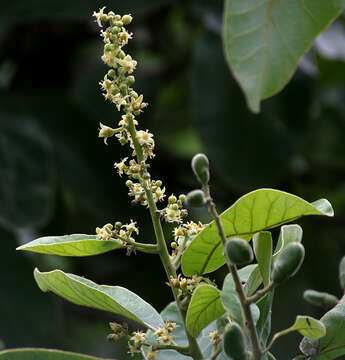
<point>57,178</point>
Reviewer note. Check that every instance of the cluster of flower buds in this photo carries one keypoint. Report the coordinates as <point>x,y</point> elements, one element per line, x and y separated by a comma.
<point>137,191</point>
<point>174,211</point>
<point>123,233</point>
<point>116,84</point>
<point>163,334</point>
<point>185,233</point>
<point>118,331</point>
<point>186,286</point>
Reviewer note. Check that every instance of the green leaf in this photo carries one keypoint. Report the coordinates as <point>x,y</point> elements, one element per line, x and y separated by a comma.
<point>262,243</point>
<point>115,299</point>
<point>288,233</point>
<point>306,325</point>
<point>263,45</point>
<point>42,354</point>
<point>332,346</point>
<point>205,307</point>
<point>230,298</point>
<point>256,211</point>
<point>71,245</point>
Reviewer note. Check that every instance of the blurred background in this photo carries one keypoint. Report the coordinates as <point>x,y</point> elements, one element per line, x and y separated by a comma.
<point>57,177</point>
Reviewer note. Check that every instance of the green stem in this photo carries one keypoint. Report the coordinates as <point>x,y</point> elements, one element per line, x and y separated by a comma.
<point>260,293</point>
<point>194,350</point>
<point>181,349</point>
<point>257,352</point>
<point>148,248</point>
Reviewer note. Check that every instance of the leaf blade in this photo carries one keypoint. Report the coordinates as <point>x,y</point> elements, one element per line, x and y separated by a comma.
<point>43,354</point>
<point>84,292</point>
<point>263,49</point>
<point>256,211</point>
<point>205,307</point>
<point>71,245</point>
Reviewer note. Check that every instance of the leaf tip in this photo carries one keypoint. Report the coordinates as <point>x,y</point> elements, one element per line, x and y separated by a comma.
<point>39,280</point>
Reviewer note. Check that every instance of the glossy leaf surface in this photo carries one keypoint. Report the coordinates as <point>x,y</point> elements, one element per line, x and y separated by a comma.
<point>205,307</point>
<point>332,346</point>
<point>256,211</point>
<point>71,245</point>
<point>115,299</point>
<point>265,39</point>
<point>42,354</point>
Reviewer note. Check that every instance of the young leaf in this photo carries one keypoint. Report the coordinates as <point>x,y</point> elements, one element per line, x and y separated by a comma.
<point>332,346</point>
<point>288,234</point>
<point>306,325</point>
<point>256,211</point>
<point>262,45</point>
<point>205,307</point>
<point>71,245</point>
<point>42,354</point>
<point>84,292</point>
<point>262,242</point>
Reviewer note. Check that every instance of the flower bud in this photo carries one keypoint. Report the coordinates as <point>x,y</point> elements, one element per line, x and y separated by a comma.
<point>126,19</point>
<point>239,251</point>
<point>195,198</point>
<point>130,81</point>
<point>172,199</point>
<point>200,166</point>
<point>288,262</point>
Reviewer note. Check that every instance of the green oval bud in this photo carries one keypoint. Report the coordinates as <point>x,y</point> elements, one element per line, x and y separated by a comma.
<point>111,73</point>
<point>130,80</point>
<point>239,251</point>
<point>126,19</point>
<point>195,198</point>
<point>342,273</point>
<point>200,166</point>
<point>234,343</point>
<point>123,89</point>
<point>288,262</point>
<point>325,300</point>
<point>172,199</point>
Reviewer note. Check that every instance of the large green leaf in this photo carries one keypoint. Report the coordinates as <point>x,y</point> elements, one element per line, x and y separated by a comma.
<point>42,354</point>
<point>84,292</point>
<point>256,211</point>
<point>205,307</point>
<point>332,346</point>
<point>265,39</point>
<point>71,245</point>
